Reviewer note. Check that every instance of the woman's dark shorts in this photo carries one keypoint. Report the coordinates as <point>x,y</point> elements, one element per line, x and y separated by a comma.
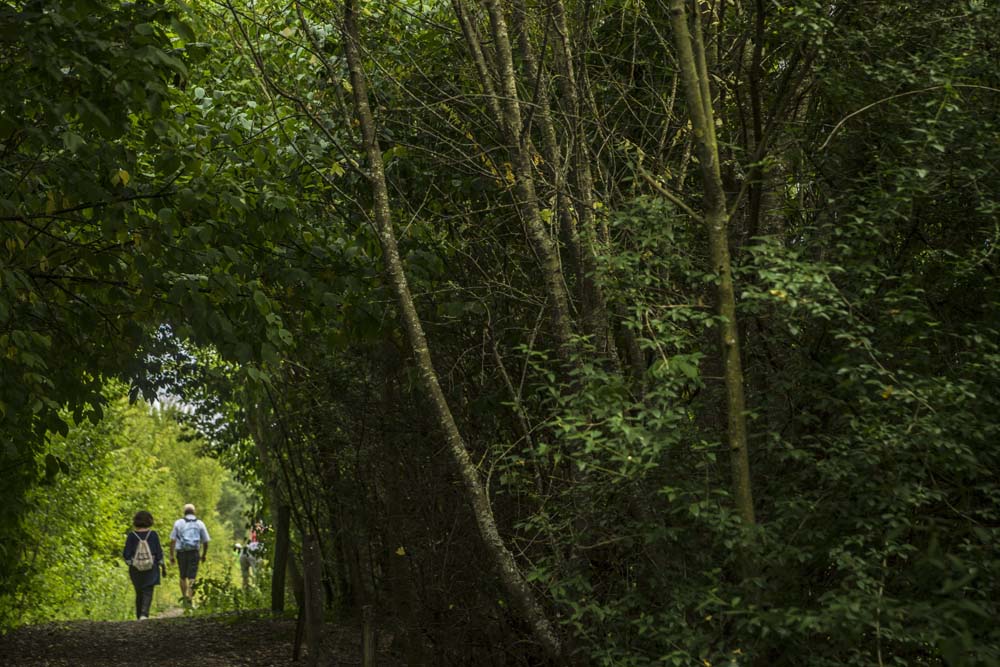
<point>187,563</point>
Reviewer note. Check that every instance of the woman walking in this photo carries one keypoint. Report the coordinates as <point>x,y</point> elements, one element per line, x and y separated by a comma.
<point>144,556</point>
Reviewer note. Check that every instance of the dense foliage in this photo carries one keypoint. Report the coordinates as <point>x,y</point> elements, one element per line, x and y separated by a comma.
<point>192,201</point>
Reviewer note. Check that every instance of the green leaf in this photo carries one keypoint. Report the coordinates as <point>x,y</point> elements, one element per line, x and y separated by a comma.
<point>73,141</point>
<point>182,29</point>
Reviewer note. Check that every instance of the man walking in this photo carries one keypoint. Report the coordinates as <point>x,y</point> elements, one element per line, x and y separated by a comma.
<point>187,536</point>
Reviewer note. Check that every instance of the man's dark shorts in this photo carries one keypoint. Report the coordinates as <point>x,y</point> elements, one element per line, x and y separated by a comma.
<point>187,563</point>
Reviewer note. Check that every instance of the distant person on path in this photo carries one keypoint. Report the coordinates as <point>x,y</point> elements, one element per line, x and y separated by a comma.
<point>249,559</point>
<point>247,563</point>
<point>144,576</point>
<point>188,534</point>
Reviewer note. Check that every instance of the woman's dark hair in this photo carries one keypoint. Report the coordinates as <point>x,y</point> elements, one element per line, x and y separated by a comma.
<point>142,519</point>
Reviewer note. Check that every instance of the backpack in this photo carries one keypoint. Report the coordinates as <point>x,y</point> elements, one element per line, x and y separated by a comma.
<point>143,558</point>
<point>189,536</point>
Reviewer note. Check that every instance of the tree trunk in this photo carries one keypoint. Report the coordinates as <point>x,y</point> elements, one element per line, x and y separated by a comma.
<point>537,79</point>
<point>691,56</point>
<point>280,511</point>
<point>576,202</point>
<point>510,574</point>
<point>479,58</point>
<point>525,195</point>
<point>595,307</point>
<point>280,562</point>
<point>368,650</point>
<point>312,568</point>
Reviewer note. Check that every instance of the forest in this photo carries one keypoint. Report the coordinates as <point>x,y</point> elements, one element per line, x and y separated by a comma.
<point>541,332</point>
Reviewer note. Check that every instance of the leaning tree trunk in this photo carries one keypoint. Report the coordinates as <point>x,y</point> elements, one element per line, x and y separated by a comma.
<point>576,219</point>
<point>510,574</point>
<point>525,195</point>
<point>694,73</point>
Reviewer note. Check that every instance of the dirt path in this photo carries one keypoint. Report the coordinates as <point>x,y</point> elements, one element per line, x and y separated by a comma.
<point>214,641</point>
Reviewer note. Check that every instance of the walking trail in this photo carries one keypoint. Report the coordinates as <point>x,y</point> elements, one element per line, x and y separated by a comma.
<point>208,641</point>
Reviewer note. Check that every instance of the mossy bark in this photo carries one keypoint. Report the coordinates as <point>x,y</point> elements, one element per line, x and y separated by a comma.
<point>691,57</point>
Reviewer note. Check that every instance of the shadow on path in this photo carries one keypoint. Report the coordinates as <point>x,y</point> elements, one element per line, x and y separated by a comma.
<point>207,641</point>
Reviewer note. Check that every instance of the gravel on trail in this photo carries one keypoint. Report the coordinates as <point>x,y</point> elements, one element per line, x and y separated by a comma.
<point>206,641</point>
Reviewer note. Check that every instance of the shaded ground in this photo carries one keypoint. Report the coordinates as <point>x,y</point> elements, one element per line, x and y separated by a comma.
<point>207,641</point>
